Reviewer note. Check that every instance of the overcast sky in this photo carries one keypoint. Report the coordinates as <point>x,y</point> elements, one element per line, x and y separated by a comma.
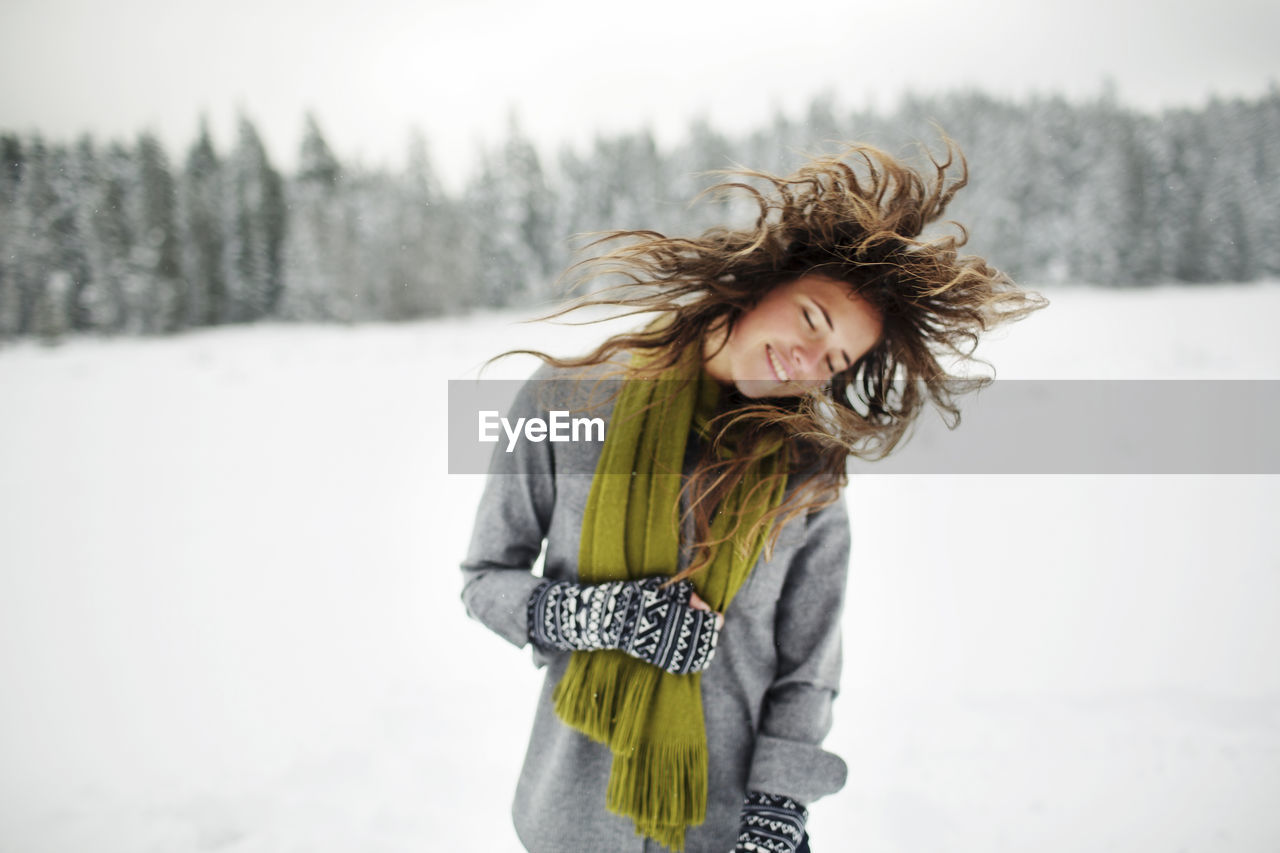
<point>455,67</point>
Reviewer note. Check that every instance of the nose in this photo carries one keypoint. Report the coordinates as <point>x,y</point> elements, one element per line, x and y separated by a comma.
<point>807,361</point>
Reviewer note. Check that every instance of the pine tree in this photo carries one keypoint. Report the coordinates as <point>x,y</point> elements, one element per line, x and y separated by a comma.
<point>623,183</point>
<point>316,250</point>
<point>1108,196</point>
<point>114,229</point>
<point>1263,184</point>
<point>11,168</point>
<point>533,206</point>
<point>1185,229</point>
<point>32,253</point>
<point>258,215</point>
<point>316,164</point>
<point>159,249</point>
<point>511,208</point>
<point>201,214</point>
<point>87,307</point>
<point>423,281</point>
<point>706,149</point>
<point>69,260</point>
<point>1224,246</point>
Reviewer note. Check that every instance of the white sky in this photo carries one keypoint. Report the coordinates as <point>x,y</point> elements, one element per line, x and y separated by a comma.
<point>455,68</point>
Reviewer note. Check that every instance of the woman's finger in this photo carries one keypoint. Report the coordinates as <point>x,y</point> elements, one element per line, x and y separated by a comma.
<point>698,604</point>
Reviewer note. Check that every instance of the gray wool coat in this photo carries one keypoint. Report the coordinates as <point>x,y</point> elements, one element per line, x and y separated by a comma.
<point>766,695</point>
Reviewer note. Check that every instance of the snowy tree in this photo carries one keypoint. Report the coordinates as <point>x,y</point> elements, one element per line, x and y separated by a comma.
<point>159,257</point>
<point>511,208</point>
<point>119,290</point>
<point>11,165</point>
<point>50,320</point>
<point>201,214</point>
<point>108,238</point>
<point>1184,232</point>
<point>824,130</point>
<point>1261,191</point>
<point>316,164</point>
<point>1240,209</point>
<point>89,305</point>
<point>1227,252</point>
<point>32,252</point>
<point>622,183</point>
<point>772,147</point>
<point>1108,202</point>
<point>317,249</point>
<point>69,263</point>
<point>434,251</point>
<point>257,218</point>
<point>373,230</point>
<point>706,150</point>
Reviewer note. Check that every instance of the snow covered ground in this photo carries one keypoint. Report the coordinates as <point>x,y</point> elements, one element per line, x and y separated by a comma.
<point>229,612</point>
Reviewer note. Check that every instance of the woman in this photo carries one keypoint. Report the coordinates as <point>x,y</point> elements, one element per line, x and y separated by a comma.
<point>688,612</point>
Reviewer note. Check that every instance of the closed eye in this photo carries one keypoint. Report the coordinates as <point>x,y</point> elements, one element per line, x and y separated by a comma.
<point>809,320</point>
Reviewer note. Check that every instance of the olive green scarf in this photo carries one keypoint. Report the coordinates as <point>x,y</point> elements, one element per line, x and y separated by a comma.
<point>652,720</point>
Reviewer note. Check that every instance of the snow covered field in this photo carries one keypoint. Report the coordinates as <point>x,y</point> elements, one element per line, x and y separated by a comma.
<point>230,615</point>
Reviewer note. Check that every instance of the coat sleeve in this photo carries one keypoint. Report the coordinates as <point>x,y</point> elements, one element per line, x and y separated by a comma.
<point>796,716</point>
<point>511,523</point>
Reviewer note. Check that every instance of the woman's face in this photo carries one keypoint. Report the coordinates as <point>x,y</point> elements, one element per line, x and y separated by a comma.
<point>797,337</point>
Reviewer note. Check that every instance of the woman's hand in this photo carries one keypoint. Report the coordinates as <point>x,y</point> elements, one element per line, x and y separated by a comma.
<point>666,628</point>
<point>698,604</point>
<point>669,627</point>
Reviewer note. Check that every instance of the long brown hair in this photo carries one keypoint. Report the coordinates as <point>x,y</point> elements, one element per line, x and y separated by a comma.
<point>856,218</point>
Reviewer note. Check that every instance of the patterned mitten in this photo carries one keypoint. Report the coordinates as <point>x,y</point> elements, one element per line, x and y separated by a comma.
<point>657,626</point>
<point>770,824</point>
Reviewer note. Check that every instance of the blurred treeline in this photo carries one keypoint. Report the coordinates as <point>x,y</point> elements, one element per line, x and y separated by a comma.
<point>125,239</point>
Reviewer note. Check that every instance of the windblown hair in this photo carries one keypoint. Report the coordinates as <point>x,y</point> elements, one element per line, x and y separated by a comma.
<point>855,218</point>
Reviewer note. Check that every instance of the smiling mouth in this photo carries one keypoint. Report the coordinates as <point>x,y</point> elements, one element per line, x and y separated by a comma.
<point>779,372</point>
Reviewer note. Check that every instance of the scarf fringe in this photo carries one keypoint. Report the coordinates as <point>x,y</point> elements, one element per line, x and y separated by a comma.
<point>662,787</point>
<point>596,690</point>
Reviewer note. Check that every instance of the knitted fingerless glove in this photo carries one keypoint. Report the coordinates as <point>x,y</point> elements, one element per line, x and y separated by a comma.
<point>770,824</point>
<point>656,626</point>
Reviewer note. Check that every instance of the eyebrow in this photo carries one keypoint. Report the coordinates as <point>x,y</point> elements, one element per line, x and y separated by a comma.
<point>847,361</point>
